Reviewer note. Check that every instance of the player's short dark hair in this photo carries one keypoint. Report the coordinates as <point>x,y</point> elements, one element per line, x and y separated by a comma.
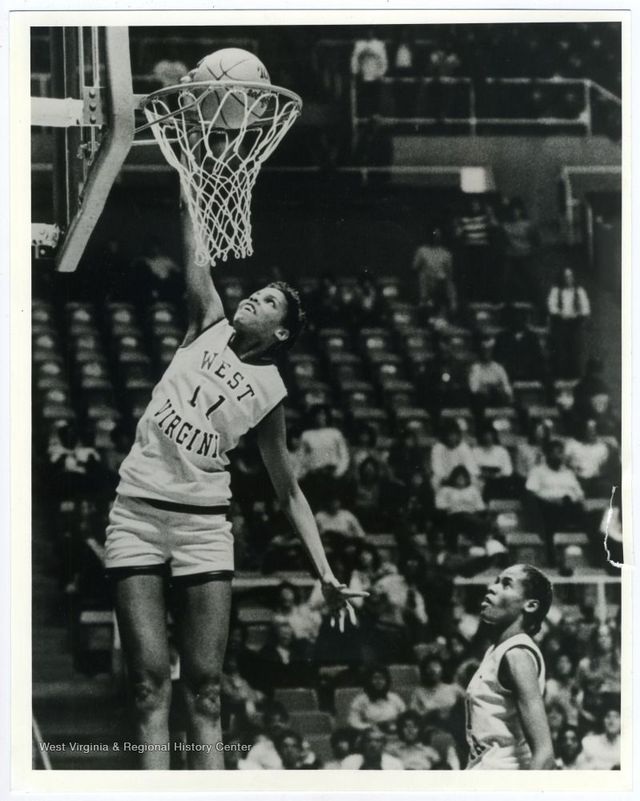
<point>537,587</point>
<point>294,318</point>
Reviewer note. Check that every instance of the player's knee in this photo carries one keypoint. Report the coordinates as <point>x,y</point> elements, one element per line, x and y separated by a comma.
<point>205,692</point>
<point>151,691</point>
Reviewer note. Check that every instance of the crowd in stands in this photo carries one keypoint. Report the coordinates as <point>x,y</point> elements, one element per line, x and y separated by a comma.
<point>429,437</point>
<point>442,54</point>
<point>505,50</point>
<point>366,713</point>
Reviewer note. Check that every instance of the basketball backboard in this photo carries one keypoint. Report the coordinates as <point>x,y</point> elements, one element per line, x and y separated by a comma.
<point>85,116</point>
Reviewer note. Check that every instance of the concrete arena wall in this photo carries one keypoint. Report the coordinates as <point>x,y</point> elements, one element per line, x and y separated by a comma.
<point>523,166</point>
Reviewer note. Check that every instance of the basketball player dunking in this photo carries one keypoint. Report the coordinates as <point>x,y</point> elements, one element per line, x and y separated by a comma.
<point>506,721</point>
<point>169,520</point>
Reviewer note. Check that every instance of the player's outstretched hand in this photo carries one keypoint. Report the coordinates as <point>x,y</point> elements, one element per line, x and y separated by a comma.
<point>188,78</point>
<point>337,597</point>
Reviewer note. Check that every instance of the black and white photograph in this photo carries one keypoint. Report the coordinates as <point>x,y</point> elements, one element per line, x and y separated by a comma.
<point>326,381</point>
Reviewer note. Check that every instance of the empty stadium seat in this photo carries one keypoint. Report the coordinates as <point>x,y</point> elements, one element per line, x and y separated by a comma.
<point>485,317</point>
<point>332,339</point>
<point>41,312</point>
<point>414,418</point>
<point>100,410</point>
<point>313,392</point>
<point>256,635</point>
<point>255,614</point>
<point>417,337</point>
<point>571,548</point>
<point>526,547</point>
<point>542,413</point>
<point>308,286</point>
<point>503,418</point>
<point>342,700</point>
<point>389,286</point>
<point>386,545</point>
<point>596,505</point>
<point>459,414</point>
<point>311,722</point>
<point>86,341</point>
<point>320,744</point>
<point>458,345</point>
<point>375,417</point>
<point>46,381</point>
<point>374,339</point>
<point>297,699</point>
<point>103,428</point>
<point>356,393</point>
<point>306,367</point>
<point>526,312</point>
<point>386,363</point>
<point>57,411</point>
<point>93,369</point>
<point>404,676</point>
<point>502,505</point>
<point>44,347</point>
<point>339,358</point>
<point>391,385</point>
<point>404,316</point>
<point>528,393</point>
<point>41,320</point>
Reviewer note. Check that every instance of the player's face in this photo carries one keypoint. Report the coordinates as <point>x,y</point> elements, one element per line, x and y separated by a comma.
<point>505,600</point>
<point>263,313</point>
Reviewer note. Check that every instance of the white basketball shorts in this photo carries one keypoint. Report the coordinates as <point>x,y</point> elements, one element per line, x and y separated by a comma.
<point>145,533</point>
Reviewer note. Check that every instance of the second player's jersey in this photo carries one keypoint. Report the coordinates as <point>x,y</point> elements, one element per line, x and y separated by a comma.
<point>493,720</point>
<point>206,400</point>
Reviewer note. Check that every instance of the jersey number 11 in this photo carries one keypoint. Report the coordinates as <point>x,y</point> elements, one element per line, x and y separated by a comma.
<point>212,408</point>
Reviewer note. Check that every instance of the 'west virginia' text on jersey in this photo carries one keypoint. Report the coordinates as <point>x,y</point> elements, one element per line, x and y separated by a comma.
<point>206,400</point>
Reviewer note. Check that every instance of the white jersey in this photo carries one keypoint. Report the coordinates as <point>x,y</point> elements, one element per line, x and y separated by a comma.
<point>494,731</point>
<point>205,401</point>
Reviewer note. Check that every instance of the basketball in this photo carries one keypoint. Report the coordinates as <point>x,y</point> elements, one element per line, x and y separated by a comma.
<point>231,108</point>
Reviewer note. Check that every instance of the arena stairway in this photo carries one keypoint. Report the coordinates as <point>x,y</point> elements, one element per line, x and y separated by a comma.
<point>68,706</point>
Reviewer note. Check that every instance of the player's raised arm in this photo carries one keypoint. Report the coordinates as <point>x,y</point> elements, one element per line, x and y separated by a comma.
<point>204,306</point>
<point>272,443</point>
<point>522,678</point>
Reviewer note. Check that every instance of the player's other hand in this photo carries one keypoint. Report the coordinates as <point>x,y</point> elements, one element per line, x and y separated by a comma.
<point>337,597</point>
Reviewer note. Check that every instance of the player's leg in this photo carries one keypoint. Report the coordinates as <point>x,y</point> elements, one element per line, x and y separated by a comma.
<point>142,621</point>
<point>202,607</point>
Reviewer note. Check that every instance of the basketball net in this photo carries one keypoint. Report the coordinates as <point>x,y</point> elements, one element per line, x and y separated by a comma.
<point>218,165</point>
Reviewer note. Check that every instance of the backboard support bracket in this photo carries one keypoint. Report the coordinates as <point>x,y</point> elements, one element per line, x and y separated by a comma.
<point>94,123</point>
<point>114,148</point>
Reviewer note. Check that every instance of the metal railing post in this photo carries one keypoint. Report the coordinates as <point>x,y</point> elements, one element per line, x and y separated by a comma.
<point>472,108</point>
<point>588,106</point>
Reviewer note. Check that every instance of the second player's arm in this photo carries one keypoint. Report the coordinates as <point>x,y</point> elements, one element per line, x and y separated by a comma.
<point>523,680</point>
<point>273,448</point>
